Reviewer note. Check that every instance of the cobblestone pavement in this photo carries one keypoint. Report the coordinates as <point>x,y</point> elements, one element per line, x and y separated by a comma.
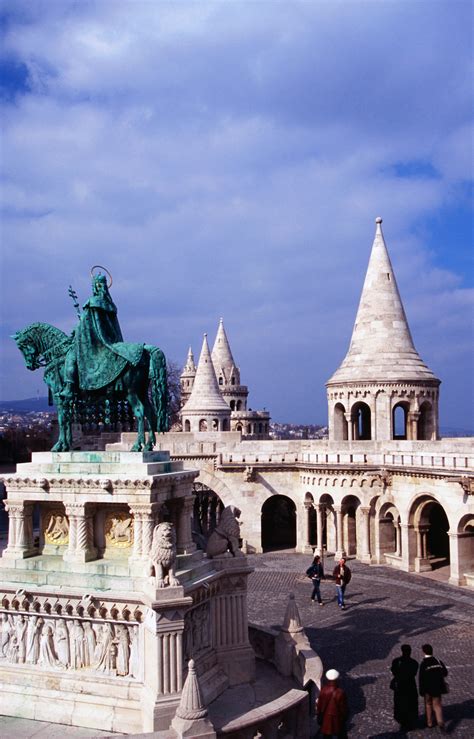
<point>384,609</point>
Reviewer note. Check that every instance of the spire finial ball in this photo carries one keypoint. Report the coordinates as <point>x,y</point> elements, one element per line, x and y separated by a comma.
<point>378,219</point>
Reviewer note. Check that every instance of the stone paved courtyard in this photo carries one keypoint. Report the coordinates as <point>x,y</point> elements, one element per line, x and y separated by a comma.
<point>384,609</point>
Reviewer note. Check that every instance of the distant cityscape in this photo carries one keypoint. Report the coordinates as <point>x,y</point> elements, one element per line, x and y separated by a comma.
<point>35,416</point>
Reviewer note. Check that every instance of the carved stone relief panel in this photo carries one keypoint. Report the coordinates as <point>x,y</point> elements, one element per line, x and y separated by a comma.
<point>70,644</point>
<point>118,529</point>
<point>55,527</point>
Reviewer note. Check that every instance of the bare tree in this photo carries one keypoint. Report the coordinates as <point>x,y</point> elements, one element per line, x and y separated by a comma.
<point>174,390</point>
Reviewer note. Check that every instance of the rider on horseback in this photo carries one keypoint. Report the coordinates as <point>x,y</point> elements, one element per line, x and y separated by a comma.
<point>98,354</point>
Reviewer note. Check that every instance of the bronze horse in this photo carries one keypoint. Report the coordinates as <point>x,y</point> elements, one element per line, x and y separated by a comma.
<point>43,345</point>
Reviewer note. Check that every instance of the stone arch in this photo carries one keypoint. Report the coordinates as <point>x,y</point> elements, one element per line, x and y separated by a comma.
<point>278,519</point>
<point>328,539</point>
<point>400,420</point>
<point>361,420</point>
<point>340,423</point>
<point>462,550</point>
<point>431,526</point>
<point>207,511</point>
<point>389,533</point>
<point>311,536</point>
<point>349,543</point>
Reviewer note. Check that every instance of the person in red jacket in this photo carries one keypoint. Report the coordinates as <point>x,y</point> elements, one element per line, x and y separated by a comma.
<point>332,708</point>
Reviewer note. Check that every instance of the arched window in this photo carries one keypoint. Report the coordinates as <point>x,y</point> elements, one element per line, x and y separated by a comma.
<point>221,380</point>
<point>203,424</point>
<point>225,424</point>
<point>238,427</point>
<point>238,405</point>
<point>232,381</point>
<point>232,405</point>
<point>400,421</point>
<point>249,429</point>
<point>187,425</point>
<point>361,422</point>
<point>215,424</point>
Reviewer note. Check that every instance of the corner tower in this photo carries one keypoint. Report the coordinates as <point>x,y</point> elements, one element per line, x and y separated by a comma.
<point>227,373</point>
<point>205,410</point>
<point>382,390</point>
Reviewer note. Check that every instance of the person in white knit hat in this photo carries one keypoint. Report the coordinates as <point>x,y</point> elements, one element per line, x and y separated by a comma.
<point>332,708</point>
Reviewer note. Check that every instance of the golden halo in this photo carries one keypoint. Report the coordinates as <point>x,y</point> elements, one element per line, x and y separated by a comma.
<point>99,266</point>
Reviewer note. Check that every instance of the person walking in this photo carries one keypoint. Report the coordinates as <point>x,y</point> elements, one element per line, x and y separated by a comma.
<point>405,694</point>
<point>316,573</point>
<point>342,576</point>
<point>331,708</point>
<point>432,685</point>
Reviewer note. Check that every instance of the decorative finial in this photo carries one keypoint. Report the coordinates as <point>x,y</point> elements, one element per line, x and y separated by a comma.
<point>378,219</point>
<point>205,336</point>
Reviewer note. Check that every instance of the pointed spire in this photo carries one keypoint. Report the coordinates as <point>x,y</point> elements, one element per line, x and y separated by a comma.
<point>205,395</point>
<point>381,346</point>
<point>222,356</point>
<point>292,621</point>
<point>191,705</point>
<point>189,367</point>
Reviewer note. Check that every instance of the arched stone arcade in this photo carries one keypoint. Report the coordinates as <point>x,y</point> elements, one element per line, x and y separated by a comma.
<point>278,522</point>
<point>430,547</point>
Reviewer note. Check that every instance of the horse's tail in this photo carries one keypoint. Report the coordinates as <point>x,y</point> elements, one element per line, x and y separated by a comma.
<point>159,387</point>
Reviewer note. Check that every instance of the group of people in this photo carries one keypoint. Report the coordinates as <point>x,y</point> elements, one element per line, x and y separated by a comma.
<point>431,685</point>
<point>332,708</point>
<point>341,575</point>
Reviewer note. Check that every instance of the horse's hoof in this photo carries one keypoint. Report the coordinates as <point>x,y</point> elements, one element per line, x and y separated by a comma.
<point>136,448</point>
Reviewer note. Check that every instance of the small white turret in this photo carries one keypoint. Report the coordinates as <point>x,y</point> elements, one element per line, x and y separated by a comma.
<point>205,410</point>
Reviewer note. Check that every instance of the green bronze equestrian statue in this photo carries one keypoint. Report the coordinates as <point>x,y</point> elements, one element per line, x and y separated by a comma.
<point>94,362</point>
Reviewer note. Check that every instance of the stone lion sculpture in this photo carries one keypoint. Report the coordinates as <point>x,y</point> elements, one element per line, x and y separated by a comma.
<point>163,555</point>
<point>225,536</point>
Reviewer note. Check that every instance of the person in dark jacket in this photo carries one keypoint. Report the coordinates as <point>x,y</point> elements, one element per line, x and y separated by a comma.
<point>405,695</point>
<point>316,573</point>
<point>432,685</point>
<point>342,575</point>
<point>332,708</point>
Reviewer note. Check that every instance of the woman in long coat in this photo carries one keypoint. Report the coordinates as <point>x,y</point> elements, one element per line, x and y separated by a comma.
<point>332,708</point>
<point>405,693</point>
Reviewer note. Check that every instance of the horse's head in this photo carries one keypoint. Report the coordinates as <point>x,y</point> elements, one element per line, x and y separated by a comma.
<point>28,347</point>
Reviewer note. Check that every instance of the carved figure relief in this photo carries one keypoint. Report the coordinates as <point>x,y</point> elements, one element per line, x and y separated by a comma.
<point>32,640</point>
<point>196,630</point>
<point>7,628</point>
<point>70,644</point>
<point>61,643</point>
<point>119,529</point>
<point>163,555</point>
<point>56,528</point>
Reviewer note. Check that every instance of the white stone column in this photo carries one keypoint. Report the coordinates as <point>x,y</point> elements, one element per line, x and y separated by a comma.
<point>365,554</point>
<point>398,540</point>
<point>339,533</point>
<point>81,532</point>
<point>350,426</point>
<point>307,548</point>
<point>320,512</point>
<point>421,560</point>
<point>412,425</point>
<point>20,530</point>
<point>184,535</point>
<point>145,516</point>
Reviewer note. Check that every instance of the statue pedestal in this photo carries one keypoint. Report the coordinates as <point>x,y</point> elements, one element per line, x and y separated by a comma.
<point>89,638</point>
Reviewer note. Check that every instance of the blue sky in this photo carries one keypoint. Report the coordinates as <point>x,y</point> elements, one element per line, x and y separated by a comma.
<point>229,159</point>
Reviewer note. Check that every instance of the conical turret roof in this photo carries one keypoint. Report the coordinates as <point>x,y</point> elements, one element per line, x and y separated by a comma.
<point>381,347</point>
<point>189,368</point>
<point>221,354</point>
<point>205,395</point>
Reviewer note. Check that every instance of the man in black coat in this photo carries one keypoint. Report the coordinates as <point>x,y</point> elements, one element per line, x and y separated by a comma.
<point>432,685</point>
<point>405,694</point>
